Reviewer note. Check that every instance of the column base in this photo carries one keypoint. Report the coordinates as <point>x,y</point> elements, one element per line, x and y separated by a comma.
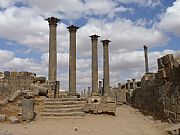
<point>74,94</point>
<point>95,94</point>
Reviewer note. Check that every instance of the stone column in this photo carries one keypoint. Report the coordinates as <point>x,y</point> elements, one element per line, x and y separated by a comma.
<point>128,85</point>
<point>52,75</point>
<point>72,60</point>
<point>94,40</point>
<point>85,92</point>
<point>134,84</point>
<point>89,91</point>
<point>100,87</point>
<point>106,66</point>
<point>146,59</point>
<point>119,86</point>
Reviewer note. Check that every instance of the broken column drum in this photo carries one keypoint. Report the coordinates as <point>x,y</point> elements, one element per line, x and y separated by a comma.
<point>106,66</point>
<point>146,59</point>
<point>72,60</point>
<point>52,75</point>
<point>28,109</point>
<point>94,40</point>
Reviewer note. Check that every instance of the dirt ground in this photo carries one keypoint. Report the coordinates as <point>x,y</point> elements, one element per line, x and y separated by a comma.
<point>128,121</point>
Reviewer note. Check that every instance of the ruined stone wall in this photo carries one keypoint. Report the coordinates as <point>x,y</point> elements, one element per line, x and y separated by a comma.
<point>13,81</point>
<point>159,94</point>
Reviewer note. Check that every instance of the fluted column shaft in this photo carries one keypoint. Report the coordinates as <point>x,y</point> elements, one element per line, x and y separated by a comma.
<point>94,40</point>
<point>106,66</point>
<point>72,59</point>
<point>52,73</point>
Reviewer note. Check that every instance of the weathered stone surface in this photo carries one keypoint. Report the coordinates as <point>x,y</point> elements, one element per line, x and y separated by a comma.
<point>28,109</point>
<point>14,95</point>
<point>159,94</point>
<point>5,101</point>
<point>97,104</point>
<point>2,118</point>
<point>13,119</point>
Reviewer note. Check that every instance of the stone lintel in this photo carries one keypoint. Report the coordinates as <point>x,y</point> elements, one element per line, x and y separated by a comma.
<point>52,21</point>
<point>72,28</point>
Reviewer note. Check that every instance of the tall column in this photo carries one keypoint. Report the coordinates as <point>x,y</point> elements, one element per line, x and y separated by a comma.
<point>72,60</point>
<point>52,75</point>
<point>94,40</point>
<point>146,59</point>
<point>106,66</point>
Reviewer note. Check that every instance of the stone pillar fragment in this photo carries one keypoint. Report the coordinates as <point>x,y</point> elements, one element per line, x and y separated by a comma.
<point>52,75</point>
<point>89,91</point>
<point>128,85</point>
<point>56,90</point>
<point>119,86</point>
<point>100,87</point>
<point>28,109</point>
<point>72,60</point>
<point>106,66</point>
<point>146,59</point>
<point>94,40</point>
<point>134,83</point>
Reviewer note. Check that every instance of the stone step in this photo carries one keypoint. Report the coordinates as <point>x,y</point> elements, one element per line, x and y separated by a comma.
<point>65,99</point>
<point>50,114</point>
<point>64,102</point>
<point>66,110</point>
<point>63,106</point>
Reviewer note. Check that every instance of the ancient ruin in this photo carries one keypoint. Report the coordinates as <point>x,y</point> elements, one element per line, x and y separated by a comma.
<point>24,95</point>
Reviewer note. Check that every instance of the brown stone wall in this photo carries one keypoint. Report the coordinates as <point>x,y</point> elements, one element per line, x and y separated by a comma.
<point>159,94</point>
<point>13,81</point>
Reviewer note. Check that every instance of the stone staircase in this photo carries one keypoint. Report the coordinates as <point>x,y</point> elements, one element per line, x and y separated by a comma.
<point>63,107</point>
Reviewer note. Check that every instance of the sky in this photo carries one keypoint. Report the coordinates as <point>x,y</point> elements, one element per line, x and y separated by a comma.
<point>129,24</point>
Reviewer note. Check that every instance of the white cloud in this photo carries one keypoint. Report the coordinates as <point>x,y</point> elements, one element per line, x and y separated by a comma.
<point>123,33</point>
<point>149,3</point>
<point>75,9</point>
<point>170,20</point>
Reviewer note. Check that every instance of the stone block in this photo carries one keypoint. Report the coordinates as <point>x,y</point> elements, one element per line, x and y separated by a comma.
<point>178,117</point>
<point>14,119</point>
<point>2,118</point>
<point>14,95</point>
<point>28,109</point>
<point>5,101</point>
<point>162,73</point>
<point>172,116</point>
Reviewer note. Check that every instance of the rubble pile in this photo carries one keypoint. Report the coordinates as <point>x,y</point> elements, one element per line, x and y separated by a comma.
<point>15,87</point>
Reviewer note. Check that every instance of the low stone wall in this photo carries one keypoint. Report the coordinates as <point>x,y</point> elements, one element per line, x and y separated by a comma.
<point>17,81</point>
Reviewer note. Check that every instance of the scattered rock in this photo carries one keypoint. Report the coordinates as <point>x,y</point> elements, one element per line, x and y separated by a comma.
<point>14,96</point>
<point>5,101</point>
<point>75,129</point>
<point>13,119</point>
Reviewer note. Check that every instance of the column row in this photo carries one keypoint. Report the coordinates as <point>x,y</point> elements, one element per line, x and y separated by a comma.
<point>52,73</point>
